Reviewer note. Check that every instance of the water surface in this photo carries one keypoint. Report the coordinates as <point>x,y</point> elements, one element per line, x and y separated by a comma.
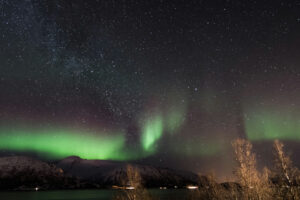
<point>178,194</point>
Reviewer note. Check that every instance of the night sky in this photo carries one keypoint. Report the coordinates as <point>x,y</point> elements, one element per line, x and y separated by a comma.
<point>167,83</point>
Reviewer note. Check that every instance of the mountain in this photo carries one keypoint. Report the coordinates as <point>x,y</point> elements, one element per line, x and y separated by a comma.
<point>109,173</point>
<point>24,173</point>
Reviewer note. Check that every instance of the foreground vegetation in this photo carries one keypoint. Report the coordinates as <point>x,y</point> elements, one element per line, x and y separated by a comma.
<point>281,182</point>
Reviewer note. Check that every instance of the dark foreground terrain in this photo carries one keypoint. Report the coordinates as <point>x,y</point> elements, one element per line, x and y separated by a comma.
<point>86,195</point>
<point>74,178</point>
<point>25,173</point>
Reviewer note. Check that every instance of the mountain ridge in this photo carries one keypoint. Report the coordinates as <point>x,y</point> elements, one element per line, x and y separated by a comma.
<point>108,173</point>
<point>23,172</point>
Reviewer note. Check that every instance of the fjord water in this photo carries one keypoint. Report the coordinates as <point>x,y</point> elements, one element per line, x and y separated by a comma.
<point>86,195</point>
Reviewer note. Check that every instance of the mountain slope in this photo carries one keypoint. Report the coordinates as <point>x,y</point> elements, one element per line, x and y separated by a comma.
<point>108,173</point>
<point>19,172</point>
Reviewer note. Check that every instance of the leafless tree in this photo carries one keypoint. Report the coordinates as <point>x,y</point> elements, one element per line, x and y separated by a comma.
<point>136,191</point>
<point>285,173</point>
<point>255,185</point>
<point>210,191</point>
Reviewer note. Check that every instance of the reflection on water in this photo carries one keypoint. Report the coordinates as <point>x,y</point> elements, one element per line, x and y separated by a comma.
<point>85,195</point>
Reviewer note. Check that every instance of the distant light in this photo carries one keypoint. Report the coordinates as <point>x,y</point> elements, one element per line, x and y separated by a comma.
<point>192,187</point>
<point>130,188</point>
<point>36,189</point>
<point>163,188</point>
<point>175,186</point>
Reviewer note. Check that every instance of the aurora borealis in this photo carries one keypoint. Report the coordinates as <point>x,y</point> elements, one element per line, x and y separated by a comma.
<point>152,131</point>
<point>167,83</point>
<point>63,143</point>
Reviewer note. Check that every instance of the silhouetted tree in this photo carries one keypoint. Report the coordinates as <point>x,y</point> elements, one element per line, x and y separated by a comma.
<point>286,174</point>
<point>137,191</point>
<point>255,185</point>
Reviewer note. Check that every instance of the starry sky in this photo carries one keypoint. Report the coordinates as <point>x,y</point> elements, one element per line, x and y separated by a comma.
<point>167,83</point>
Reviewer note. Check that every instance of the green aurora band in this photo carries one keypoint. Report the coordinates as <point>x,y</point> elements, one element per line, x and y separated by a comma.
<point>63,143</point>
<point>151,132</point>
<point>59,142</point>
<point>156,125</point>
<point>272,123</point>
